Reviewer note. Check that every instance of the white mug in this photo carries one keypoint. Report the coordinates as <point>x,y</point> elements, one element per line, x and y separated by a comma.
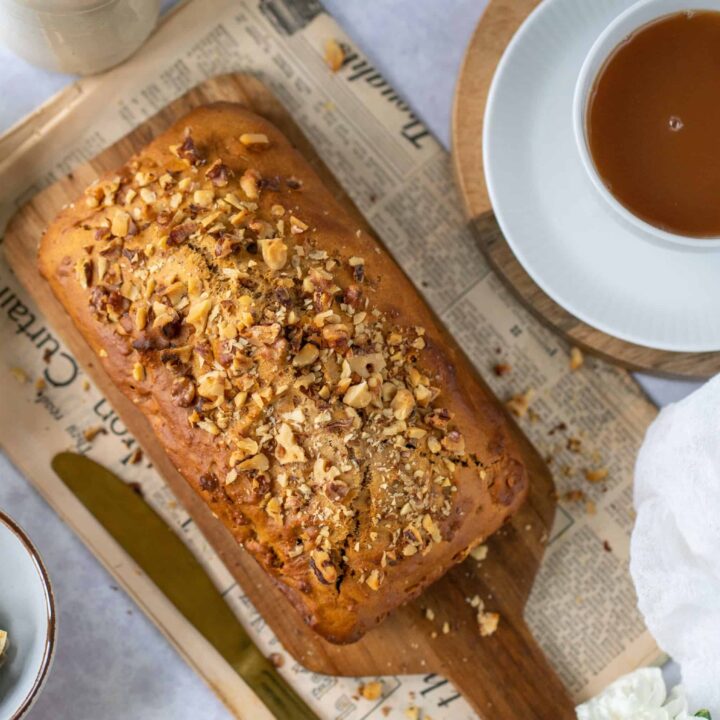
<point>76,36</point>
<point>614,34</point>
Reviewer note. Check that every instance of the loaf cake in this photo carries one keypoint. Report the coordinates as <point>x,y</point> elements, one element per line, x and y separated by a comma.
<point>288,367</point>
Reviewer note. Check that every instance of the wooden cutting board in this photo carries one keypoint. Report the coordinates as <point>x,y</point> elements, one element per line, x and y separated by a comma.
<point>499,23</point>
<point>503,676</point>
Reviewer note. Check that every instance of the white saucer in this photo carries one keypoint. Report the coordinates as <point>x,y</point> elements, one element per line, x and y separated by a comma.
<point>27,613</point>
<point>603,271</point>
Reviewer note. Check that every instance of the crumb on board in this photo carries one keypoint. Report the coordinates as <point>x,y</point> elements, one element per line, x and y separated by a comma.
<point>334,54</point>
<point>371,690</point>
<point>85,385</point>
<point>136,456</point>
<point>488,622</point>
<point>597,475</point>
<point>519,404</point>
<point>92,432</point>
<point>479,552</point>
<point>40,384</point>
<point>277,659</point>
<point>606,546</point>
<point>576,358</point>
<point>20,375</point>
<point>590,508</point>
<point>412,712</point>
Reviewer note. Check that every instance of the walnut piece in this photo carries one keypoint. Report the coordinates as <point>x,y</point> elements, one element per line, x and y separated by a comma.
<point>334,55</point>
<point>274,253</point>
<point>358,396</point>
<point>576,359</point>
<point>250,139</point>
<point>371,690</point>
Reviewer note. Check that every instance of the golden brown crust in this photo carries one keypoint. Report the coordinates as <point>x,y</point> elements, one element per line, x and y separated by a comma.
<point>288,367</point>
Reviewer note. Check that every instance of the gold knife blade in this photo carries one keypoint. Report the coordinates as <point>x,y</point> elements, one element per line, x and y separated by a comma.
<point>168,562</point>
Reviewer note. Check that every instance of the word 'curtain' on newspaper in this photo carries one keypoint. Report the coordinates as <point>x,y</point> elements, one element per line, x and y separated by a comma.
<point>589,423</point>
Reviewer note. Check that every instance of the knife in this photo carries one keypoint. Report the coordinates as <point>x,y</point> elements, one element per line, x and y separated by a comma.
<point>167,561</point>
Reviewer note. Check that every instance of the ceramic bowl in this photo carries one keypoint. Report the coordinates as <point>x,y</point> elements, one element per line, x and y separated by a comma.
<point>614,35</point>
<point>27,614</point>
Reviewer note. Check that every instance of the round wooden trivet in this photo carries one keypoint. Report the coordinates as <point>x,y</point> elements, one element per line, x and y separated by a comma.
<point>494,31</point>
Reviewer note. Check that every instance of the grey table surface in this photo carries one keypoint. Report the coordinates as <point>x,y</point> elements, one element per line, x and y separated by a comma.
<point>111,662</point>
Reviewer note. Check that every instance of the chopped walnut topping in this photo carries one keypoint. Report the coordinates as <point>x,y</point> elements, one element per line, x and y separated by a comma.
<point>120,225</point>
<point>218,173</point>
<point>139,372</point>
<point>220,287</point>
<point>249,184</point>
<point>251,139</point>
<point>323,567</point>
<point>288,451</point>
<point>297,226</point>
<point>403,404</point>
<point>358,396</point>
<point>374,579</point>
<point>275,253</point>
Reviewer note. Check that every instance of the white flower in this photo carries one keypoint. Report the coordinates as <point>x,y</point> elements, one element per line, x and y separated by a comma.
<point>641,695</point>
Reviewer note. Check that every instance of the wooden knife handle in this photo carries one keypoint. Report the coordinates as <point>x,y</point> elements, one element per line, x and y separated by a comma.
<point>514,680</point>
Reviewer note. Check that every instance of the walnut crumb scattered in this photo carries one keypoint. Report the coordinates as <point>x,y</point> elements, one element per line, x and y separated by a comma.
<point>277,659</point>
<point>91,433</point>
<point>502,369</point>
<point>371,690</point>
<point>334,54</point>
<point>573,496</point>
<point>519,404</point>
<point>597,475</point>
<point>576,358</point>
<point>20,375</point>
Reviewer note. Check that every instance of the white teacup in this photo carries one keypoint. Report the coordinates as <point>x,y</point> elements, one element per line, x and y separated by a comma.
<point>614,34</point>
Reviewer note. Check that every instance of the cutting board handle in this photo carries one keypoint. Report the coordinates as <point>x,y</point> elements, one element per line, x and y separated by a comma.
<point>515,679</point>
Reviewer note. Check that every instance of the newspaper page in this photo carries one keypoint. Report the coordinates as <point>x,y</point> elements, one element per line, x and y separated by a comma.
<point>588,423</point>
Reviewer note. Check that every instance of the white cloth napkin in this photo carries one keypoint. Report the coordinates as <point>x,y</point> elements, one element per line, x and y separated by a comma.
<point>675,548</point>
